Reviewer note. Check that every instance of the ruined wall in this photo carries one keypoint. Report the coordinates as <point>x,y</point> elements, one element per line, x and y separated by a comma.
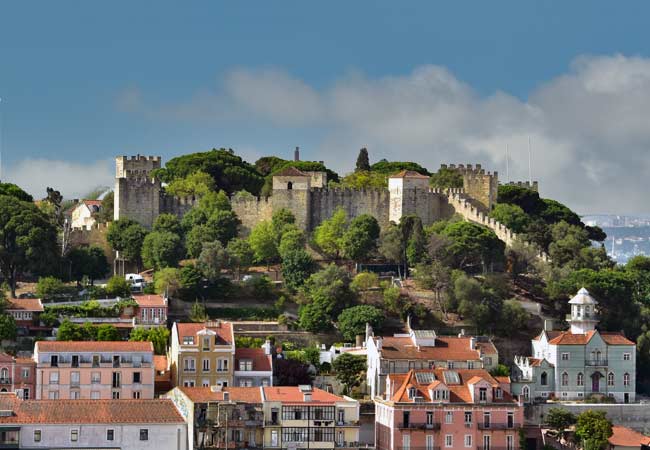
<point>251,212</point>
<point>324,202</point>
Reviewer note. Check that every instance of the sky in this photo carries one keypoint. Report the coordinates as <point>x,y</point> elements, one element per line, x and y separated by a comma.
<point>433,82</point>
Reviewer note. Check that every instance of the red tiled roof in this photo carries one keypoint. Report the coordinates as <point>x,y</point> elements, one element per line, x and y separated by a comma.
<point>6,358</point>
<point>160,363</point>
<point>93,346</point>
<point>237,394</point>
<point>150,300</point>
<point>93,202</point>
<point>537,362</point>
<point>408,174</point>
<point>626,437</point>
<point>88,411</point>
<point>568,338</point>
<point>290,172</point>
<point>24,304</point>
<point>550,334</point>
<point>447,348</point>
<point>224,331</point>
<point>293,394</point>
<point>261,361</point>
<point>505,380</point>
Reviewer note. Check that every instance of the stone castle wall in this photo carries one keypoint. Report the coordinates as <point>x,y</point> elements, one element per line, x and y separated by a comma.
<point>178,206</point>
<point>324,202</point>
<point>137,198</point>
<point>481,186</point>
<point>251,212</point>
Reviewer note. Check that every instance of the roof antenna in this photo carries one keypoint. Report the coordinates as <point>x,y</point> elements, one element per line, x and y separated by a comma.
<point>530,172</point>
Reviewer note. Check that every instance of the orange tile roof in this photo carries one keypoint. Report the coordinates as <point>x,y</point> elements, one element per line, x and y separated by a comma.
<point>93,346</point>
<point>550,334</point>
<point>261,361</point>
<point>237,394</point>
<point>24,304</point>
<point>224,331</point>
<point>537,362</point>
<point>92,202</point>
<point>290,172</point>
<point>147,300</point>
<point>505,380</point>
<point>88,411</point>
<point>408,174</point>
<point>293,394</point>
<point>447,348</point>
<point>160,363</point>
<point>568,338</point>
<point>626,437</point>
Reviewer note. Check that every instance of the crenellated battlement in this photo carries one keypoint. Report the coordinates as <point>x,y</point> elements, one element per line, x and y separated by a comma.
<point>524,184</point>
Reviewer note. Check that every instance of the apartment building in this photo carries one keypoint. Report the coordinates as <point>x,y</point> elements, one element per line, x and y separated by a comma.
<point>443,408</point>
<point>87,424</point>
<point>17,375</point>
<point>202,354</point>
<point>94,370</point>
<point>253,366</point>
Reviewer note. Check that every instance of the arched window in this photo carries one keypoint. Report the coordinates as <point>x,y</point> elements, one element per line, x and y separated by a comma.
<point>544,378</point>
<point>626,379</point>
<point>290,185</point>
<point>580,380</point>
<point>565,379</point>
<point>610,379</point>
<point>525,391</point>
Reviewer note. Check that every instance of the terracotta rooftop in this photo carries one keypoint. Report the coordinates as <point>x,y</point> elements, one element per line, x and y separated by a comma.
<point>261,361</point>
<point>88,411</point>
<point>237,394</point>
<point>93,346</point>
<point>408,174</point>
<point>160,363</point>
<point>447,348</point>
<point>568,338</point>
<point>291,172</point>
<point>626,437</point>
<point>150,300</point>
<point>293,394</point>
<point>223,330</point>
<point>24,304</point>
<point>501,379</point>
<point>92,202</point>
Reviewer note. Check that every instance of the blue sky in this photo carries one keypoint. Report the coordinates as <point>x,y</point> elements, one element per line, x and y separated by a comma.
<point>82,82</point>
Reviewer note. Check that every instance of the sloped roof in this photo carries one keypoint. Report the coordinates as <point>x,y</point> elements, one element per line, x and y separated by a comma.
<point>223,330</point>
<point>25,304</point>
<point>261,361</point>
<point>447,348</point>
<point>408,174</point>
<point>93,346</point>
<point>237,394</point>
<point>568,338</point>
<point>583,297</point>
<point>293,394</point>
<point>291,172</point>
<point>626,437</point>
<point>147,300</point>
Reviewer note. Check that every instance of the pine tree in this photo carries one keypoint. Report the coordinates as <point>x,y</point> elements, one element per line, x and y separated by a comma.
<point>363,163</point>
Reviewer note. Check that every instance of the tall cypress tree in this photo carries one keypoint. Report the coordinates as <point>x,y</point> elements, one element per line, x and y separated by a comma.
<point>363,163</point>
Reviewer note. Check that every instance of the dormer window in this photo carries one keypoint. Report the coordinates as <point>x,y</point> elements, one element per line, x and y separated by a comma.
<point>498,393</point>
<point>412,392</point>
<point>188,340</point>
<point>482,394</point>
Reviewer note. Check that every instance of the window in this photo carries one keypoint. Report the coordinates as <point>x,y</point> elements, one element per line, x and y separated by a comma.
<point>75,361</point>
<point>511,420</point>
<point>116,360</point>
<point>117,379</point>
<point>94,395</point>
<point>74,378</point>
<point>543,379</point>
<point>449,417</point>
<point>412,392</point>
<point>487,360</point>
<point>116,395</point>
<point>510,442</point>
<point>144,434</point>
<point>206,343</point>
<point>406,418</point>
<point>610,379</point>
<point>137,377</point>
<point>25,373</point>
<point>525,392</point>
<point>189,365</point>
<point>580,379</point>
<point>136,394</point>
<point>54,360</point>
<point>74,435</point>
<point>626,357</point>
<point>468,440</point>
<point>75,395</point>
<point>498,393</point>
<point>450,364</point>
<point>486,419</point>
<point>429,442</point>
<point>470,364</point>
<point>95,360</point>
<point>245,382</point>
<point>54,377</point>
<point>429,417</point>
<point>565,379</point>
<point>626,379</point>
<point>565,356</point>
<point>246,364</point>
<point>449,440</point>
<point>468,417</point>
<point>53,395</point>
<point>222,365</point>
<point>205,382</point>
<point>25,394</point>
<point>206,365</point>
<point>37,435</point>
<point>188,340</point>
<point>110,435</point>
<point>274,438</point>
<point>482,394</point>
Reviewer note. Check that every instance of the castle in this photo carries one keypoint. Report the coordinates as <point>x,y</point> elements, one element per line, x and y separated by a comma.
<point>141,197</point>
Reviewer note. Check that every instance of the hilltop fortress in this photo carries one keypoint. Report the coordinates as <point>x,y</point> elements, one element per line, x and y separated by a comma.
<point>141,197</point>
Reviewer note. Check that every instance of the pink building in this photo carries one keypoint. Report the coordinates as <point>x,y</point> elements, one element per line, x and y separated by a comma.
<point>26,312</point>
<point>433,409</point>
<point>151,310</point>
<point>17,375</point>
<point>94,370</point>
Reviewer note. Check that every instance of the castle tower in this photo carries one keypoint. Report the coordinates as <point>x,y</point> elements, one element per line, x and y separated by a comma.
<point>291,190</point>
<point>137,193</point>
<point>481,186</point>
<point>403,187</point>
<point>583,312</point>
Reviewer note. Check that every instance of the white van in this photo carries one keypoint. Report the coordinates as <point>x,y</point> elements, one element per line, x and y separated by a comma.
<point>136,281</point>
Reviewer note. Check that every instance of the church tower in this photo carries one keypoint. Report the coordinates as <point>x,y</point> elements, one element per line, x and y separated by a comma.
<point>583,316</point>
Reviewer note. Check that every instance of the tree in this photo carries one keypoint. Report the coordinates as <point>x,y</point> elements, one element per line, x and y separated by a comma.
<point>473,247</point>
<point>560,419</point>
<point>161,249</point>
<point>352,321</point>
<point>314,317</point>
<point>68,331</point>
<point>49,287</point>
<point>167,281</point>
<point>437,278</point>
<point>526,199</point>
<point>282,221</point>
<point>297,265</point>
<point>196,184</point>
<point>392,246</point>
<point>224,224</point>
<point>7,327</point>
<point>512,216</point>
<point>198,313</point>
<point>107,210</point>
<point>328,236</point>
<point>481,306</point>
<point>158,336</point>
<point>446,178</point>
<point>416,245</point>
<point>363,162</point>
<point>350,370</point>
<point>392,167</point>
<point>127,236</point>
<point>364,281</point>
<point>12,190</point>
<point>240,254</point>
<point>323,296</point>
<point>360,239</point>
<point>362,180</point>
<point>513,317</point>
<point>291,241</point>
<point>290,372</point>
<point>117,286</point>
<point>107,332</point>
<point>593,429</point>
<point>28,239</point>
<point>169,223</point>
<point>212,259</point>
<point>568,241</point>
<point>262,241</point>
<point>501,370</point>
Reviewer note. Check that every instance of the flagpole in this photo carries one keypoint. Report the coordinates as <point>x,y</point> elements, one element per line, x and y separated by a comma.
<point>530,172</point>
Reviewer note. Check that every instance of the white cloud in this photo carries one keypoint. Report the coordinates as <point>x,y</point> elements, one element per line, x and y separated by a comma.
<point>72,179</point>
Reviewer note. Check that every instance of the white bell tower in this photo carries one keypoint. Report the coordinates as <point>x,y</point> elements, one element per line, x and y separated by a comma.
<point>583,316</point>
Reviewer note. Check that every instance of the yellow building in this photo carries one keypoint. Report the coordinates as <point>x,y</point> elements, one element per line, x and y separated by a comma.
<point>202,354</point>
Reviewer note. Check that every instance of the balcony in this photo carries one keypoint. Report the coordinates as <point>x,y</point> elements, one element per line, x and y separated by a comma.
<point>5,380</point>
<point>418,426</point>
<point>347,423</point>
<point>596,362</point>
<point>346,444</point>
<point>498,426</point>
<point>10,437</point>
<point>272,423</point>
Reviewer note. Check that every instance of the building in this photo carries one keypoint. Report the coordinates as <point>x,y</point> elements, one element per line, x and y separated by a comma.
<point>17,375</point>
<point>578,363</point>
<point>163,375</point>
<point>83,214</point>
<point>424,349</point>
<point>202,354</point>
<point>253,366</point>
<point>435,408</point>
<point>624,438</point>
<point>26,312</point>
<point>94,370</point>
<point>151,310</point>
<point>109,424</point>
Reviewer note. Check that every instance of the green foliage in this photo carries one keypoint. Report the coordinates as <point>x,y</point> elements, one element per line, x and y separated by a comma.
<point>291,241</point>
<point>7,327</point>
<point>212,260</point>
<point>513,318</point>
<point>262,241</point>
<point>560,419</point>
<point>240,254</point>
<point>325,294</point>
<point>158,336</point>
<point>117,286</point>
<point>391,244</point>
<point>13,190</point>
<point>392,167</point>
<point>91,308</point>
<point>282,221</point>
<point>352,321</point>
<point>107,210</point>
<point>245,313</point>
<point>362,180</point>
<point>267,164</point>
<point>190,278</point>
<point>169,223</point>
<point>473,247</point>
<point>527,199</point>
<point>446,178</point>
<point>297,265</point>
<point>196,184</point>
<point>68,331</point>
<point>350,370</point>
<point>48,288</point>
<point>416,245</point>
<point>481,306</point>
<point>392,297</point>
<point>168,281</point>
<point>593,428</point>
<point>501,370</point>
<point>328,236</point>
<point>512,216</point>
<point>363,162</point>
<point>107,332</point>
<point>228,171</point>
<point>360,239</point>
<point>127,237</point>
<point>364,281</point>
<point>88,262</point>
<point>248,342</point>
<point>161,249</point>
<point>198,313</point>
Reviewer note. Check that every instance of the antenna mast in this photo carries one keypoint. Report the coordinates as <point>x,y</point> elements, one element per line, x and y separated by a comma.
<point>530,172</point>
<point>507,165</point>
<point>0,139</point>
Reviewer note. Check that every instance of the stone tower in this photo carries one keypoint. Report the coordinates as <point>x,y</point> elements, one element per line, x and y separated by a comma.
<point>481,186</point>
<point>137,193</point>
<point>292,190</point>
<point>583,312</point>
<point>404,187</point>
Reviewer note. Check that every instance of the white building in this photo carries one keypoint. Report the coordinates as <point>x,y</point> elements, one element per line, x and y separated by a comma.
<point>83,214</point>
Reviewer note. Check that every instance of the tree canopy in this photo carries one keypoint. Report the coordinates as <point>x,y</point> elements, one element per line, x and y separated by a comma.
<point>392,167</point>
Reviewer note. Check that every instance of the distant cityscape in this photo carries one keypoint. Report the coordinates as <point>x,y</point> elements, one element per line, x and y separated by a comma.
<point>627,236</point>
